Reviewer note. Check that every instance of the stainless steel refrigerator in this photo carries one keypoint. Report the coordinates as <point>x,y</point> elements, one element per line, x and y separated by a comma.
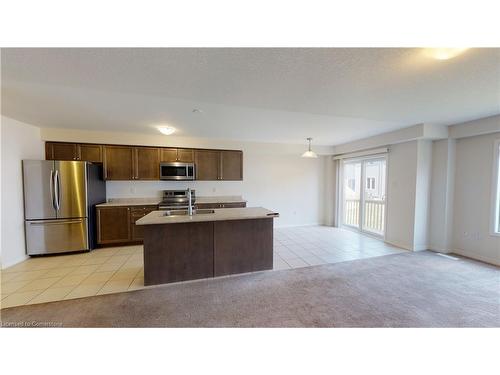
<point>59,205</point>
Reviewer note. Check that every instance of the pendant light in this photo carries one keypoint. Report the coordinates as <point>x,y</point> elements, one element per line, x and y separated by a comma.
<point>309,153</point>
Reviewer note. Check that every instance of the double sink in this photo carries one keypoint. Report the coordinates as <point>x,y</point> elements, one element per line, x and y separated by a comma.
<point>185,212</point>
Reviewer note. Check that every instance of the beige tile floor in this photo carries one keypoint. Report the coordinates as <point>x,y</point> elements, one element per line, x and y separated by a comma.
<point>120,269</point>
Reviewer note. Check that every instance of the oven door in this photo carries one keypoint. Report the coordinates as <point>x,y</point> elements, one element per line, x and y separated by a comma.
<point>176,171</point>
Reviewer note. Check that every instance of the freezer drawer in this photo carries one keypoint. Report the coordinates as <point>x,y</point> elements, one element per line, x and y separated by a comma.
<point>56,236</point>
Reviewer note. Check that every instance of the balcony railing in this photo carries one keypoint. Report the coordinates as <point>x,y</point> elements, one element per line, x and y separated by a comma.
<point>374,212</point>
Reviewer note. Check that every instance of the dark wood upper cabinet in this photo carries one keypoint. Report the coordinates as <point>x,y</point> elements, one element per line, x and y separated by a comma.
<point>207,164</point>
<point>113,224</point>
<point>183,155</point>
<point>147,163</point>
<point>219,165</point>
<point>231,165</point>
<point>92,153</point>
<point>131,163</point>
<point>73,151</point>
<point>142,163</point>
<point>61,151</point>
<point>119,163</point>
<point>168,154</point>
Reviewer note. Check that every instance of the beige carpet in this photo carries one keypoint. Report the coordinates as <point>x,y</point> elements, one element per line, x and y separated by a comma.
<point>403,290</point>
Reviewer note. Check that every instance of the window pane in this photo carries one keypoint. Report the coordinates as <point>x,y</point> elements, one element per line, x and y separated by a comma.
<point>374,197</point>
<point>352,193</point>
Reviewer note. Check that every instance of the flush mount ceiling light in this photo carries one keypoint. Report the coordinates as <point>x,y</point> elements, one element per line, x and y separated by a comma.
<point>166,130</point>
<point>309,153</point>
<point>444,53</point>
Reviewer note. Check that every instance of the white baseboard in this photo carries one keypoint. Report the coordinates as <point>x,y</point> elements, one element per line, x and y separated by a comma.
<point>397,244</point>
<point>421,248</point>
<point>439,249</point>
<point>409,247</point>
<point>475,256</point>
<point>13,262</point>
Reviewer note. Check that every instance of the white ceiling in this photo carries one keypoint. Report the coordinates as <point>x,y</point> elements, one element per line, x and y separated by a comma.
<point>334,95</point>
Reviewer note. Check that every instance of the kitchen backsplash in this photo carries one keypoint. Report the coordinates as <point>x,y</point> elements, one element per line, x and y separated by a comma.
<point>146,189</point>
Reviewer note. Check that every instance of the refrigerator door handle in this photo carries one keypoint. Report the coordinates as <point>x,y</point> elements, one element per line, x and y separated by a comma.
<point>54,222</point>
<point>58,190</point>
<point>51,189</point>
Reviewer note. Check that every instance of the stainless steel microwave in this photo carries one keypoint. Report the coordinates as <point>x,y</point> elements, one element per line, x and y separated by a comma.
<point>177,171</point>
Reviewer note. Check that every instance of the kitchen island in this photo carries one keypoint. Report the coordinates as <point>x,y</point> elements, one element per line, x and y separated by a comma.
<point>207,244</point>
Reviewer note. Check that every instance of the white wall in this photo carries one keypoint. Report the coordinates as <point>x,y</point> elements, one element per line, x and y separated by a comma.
<point>442,191</point>
<point>274,175</point>
<point>422,194</point>
<point>401,190</point>
<point>408,194</point>
<point>472,199</point>
<point>329,202</point>
<point>486,125</point>
<point>19,141</point>
<point>412,133</point>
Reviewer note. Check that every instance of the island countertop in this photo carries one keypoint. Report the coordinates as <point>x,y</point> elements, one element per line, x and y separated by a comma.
<point>220,214</point>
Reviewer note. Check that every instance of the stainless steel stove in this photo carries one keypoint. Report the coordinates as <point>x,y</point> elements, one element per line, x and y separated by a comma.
<point>176,200</point>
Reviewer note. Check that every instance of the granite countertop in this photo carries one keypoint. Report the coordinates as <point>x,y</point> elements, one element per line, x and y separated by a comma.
<point>115,202</point>
<point>220,214</point>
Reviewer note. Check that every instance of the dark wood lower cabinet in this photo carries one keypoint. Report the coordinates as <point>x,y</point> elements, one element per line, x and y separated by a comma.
<point>220,205</point>
<point>113,225</point>
<point>116,224</point>
<point>177,252</point>
<point>188,251</point>
<point>136,231</point>
<point>233,205</point>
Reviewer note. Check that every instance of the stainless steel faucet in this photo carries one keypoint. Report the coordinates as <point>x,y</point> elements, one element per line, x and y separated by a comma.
<point>190,203</point>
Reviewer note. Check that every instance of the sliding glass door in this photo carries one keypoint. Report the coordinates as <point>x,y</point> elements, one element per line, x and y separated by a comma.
<point>363,195</point>
<point>352,194</point>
